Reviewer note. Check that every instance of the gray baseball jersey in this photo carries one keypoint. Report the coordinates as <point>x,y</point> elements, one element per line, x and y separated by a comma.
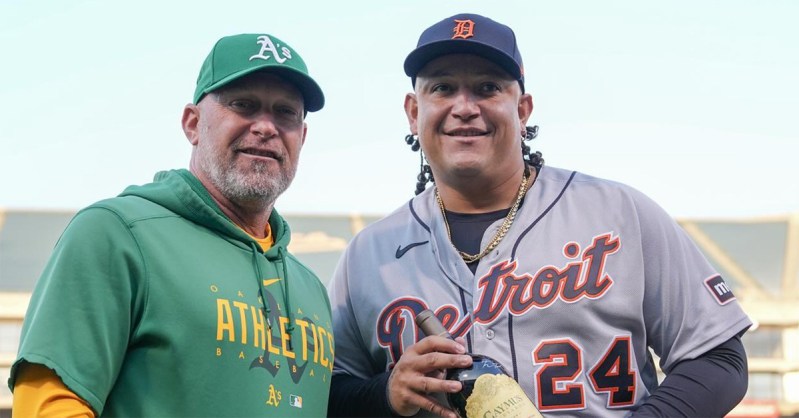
<point>591,275</point>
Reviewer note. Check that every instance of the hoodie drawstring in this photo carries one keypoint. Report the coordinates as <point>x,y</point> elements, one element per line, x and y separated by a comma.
<point>259,278</point>
<point>289,329</point>
<point>285,282</point>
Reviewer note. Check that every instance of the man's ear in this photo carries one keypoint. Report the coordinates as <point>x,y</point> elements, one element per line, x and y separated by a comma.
<point>190,123</point>
<point>412,112</point>
<point>525,110</point>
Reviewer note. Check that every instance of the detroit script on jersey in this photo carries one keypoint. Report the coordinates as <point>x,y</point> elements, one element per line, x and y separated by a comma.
<point>502,290</point>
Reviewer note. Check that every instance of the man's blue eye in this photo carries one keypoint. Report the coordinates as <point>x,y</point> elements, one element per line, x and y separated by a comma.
<point>242,104</point>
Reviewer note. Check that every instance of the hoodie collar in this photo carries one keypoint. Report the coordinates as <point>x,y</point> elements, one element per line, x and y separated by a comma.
<point>181,192</point>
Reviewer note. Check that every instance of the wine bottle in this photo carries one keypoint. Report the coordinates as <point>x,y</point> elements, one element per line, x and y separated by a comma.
<point>487,390</point>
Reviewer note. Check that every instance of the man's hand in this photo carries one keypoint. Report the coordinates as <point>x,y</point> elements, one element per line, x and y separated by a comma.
<point>421,371</point>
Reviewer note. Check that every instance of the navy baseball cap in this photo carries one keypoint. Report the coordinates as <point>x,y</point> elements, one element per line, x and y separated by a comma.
<point>468,33</point>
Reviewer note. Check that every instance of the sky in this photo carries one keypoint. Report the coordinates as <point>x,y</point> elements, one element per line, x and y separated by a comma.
<point>693,102</point>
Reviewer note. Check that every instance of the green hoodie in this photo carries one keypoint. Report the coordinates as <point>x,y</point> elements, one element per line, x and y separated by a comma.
<point>154,303</point>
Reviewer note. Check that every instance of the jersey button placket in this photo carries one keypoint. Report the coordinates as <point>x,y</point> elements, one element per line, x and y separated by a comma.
<point>490,334</point>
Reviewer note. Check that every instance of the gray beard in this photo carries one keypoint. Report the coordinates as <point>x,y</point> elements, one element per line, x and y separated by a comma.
<point>255,186</point>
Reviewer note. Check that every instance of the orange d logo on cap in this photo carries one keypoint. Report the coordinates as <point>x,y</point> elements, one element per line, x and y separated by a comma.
<point>464,29</point>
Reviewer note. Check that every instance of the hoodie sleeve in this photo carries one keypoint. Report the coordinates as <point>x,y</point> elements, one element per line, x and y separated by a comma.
<point>82,311</point>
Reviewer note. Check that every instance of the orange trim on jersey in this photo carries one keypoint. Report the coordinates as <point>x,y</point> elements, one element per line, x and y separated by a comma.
<point>39,392</point>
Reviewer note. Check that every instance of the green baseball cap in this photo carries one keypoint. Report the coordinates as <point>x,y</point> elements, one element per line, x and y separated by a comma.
<point>235,56</point>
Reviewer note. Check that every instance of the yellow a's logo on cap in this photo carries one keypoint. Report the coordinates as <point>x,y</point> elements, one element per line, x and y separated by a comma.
<point>268,46</point>
<point>464,29</point>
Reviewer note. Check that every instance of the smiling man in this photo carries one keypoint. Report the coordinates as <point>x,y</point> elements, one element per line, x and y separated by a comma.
<point>568,280</point>
<point>179,297</point>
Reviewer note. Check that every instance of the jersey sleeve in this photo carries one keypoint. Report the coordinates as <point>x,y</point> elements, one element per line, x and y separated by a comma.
<point>83,307</point>
<point>683,314</point>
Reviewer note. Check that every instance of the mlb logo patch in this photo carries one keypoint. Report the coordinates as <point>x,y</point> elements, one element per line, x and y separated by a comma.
<point>295,401</point>
<point>719,289</point>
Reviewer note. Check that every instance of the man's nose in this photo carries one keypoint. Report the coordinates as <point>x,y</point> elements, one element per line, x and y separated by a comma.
<point>465,106</point>
<point>263,125</point>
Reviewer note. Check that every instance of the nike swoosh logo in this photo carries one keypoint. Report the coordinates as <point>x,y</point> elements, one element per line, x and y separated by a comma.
<point>267,282</point>
<point>401,251</point>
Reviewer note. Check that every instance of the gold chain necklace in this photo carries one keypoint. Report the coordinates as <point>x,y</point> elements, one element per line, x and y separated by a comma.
<point>503,229</point>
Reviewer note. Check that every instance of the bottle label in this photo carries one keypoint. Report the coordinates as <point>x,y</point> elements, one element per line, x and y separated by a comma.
<point>499,396</point>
